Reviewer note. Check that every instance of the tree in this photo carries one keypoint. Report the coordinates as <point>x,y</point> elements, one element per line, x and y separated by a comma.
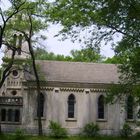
<point>32,25</point>
<point>42,54</point>
<point>24,17</point>
<point>113,60</point>
<point>5,40</point>
<point>104,20</point>
<point>83,55</point>
<point>10,43</point>
<point>86,55</point>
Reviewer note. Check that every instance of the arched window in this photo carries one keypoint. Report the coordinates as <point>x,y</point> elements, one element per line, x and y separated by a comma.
<point>3,115</point>
<point>101,107</point>
<point>41,105</point>
<point>10,114</point>
<point>17,115</point>
<point>71,108</point>
<point>129,108</point>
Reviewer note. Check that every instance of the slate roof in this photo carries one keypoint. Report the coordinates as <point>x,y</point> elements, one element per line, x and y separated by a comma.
<point>79,72</point>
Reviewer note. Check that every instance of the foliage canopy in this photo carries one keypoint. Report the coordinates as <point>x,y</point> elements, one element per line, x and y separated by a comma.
<point>105,20</point>
<point>83,55</point>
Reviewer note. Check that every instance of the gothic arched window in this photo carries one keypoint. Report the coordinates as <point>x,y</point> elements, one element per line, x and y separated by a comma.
<point>71,107</point>
<point>101,107</point>
<point>41,109</point>
<point>129,108</point>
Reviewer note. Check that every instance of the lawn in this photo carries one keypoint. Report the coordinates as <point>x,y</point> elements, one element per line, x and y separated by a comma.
<point>12,137</point>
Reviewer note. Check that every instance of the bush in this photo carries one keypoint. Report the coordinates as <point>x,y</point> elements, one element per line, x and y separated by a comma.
<point>19,135</point>
<point>126,131</point>
<point>137,134</point>
<point>3,137</point>
<point>91,130</point>
<point>57,131</point>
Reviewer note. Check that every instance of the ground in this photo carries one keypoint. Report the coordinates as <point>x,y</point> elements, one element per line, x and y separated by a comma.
<point>13,137</point>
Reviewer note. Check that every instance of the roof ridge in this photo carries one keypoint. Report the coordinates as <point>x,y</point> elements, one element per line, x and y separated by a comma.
<point>72,62</point>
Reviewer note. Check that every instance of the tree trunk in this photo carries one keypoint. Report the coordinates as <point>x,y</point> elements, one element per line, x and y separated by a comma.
<point>29,41</point>
<point>6,72</point>
<point>40,132</point>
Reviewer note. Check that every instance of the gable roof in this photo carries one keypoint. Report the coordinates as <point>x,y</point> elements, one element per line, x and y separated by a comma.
<point>79,72</point>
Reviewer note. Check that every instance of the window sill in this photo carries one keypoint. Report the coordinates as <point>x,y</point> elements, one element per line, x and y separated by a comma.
<point>101,120</point>
<point>130,120</point>
<point>42,118</point>
<point>71,120</point>
<point>11,123</point>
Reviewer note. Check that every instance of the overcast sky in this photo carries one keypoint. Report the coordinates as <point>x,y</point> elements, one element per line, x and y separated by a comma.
<point>64,47</point>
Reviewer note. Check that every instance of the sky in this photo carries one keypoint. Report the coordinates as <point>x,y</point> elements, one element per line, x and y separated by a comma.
<point>63,47</point>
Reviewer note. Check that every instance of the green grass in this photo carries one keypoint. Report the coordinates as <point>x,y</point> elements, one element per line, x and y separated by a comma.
<point>12,137</point>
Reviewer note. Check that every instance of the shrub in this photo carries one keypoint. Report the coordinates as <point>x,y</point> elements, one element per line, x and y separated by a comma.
<point>3,137</point>
<point>137,134</point>
<point>126,131</point>
<point>19,135</point>
<point>56,130</point>
<point>91,129</point>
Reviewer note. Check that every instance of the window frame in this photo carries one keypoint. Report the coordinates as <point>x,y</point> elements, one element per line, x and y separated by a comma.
<point>10,115</point>
<point>101,108</point>
<point>71,101</point>
<point>130,108</point>
<point>12,118</point>
<point>42,104</point>
<point>3,114</point>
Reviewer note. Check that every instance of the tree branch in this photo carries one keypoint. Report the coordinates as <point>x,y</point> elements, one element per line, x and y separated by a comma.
<point>2,15</point>
<point>9,17</point>
<point>119,31</point>
<point>6,72</point>
<point>10,46</point>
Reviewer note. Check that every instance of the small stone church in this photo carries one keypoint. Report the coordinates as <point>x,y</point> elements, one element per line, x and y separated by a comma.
<point>72,94</point>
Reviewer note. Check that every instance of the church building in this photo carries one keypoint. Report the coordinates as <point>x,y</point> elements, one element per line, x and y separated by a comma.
<point>72,94</point>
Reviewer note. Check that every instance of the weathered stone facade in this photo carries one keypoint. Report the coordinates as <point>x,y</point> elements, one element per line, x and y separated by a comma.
<point>72,95</point>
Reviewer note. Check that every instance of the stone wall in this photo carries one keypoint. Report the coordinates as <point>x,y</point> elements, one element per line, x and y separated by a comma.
<point>56,108</point>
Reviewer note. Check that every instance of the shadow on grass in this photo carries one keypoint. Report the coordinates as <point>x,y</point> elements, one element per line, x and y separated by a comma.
<point>12,137</point>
